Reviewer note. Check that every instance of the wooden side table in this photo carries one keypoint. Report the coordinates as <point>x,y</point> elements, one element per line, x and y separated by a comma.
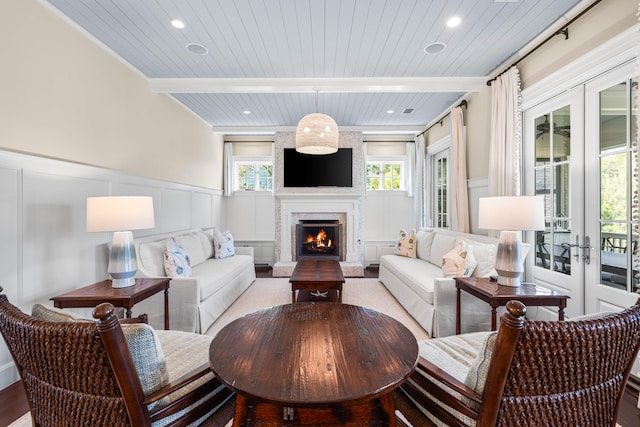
<point>497,295</point>
<point>92,295</point>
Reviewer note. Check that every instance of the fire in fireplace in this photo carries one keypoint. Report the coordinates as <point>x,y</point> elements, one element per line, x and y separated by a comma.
<point>318,238</point>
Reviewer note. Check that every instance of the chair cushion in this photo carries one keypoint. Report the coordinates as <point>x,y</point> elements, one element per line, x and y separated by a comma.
<point>183,353</point>
<point>148,357</point>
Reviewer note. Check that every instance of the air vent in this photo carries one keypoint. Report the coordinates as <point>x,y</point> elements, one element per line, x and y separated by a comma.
<point>407,111</point>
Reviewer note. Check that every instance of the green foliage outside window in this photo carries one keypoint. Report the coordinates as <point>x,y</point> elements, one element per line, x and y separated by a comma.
<point>384,176</point>
<point>254,176</point>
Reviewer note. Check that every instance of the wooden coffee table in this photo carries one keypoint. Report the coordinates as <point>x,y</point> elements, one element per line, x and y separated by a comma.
<point>314,364</point>
<point>497,295</point>
<point>320,275</point>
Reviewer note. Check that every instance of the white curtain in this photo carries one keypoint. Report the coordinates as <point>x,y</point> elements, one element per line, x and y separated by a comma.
<point>504,150</point>
<point>460,201</point>
<point>417,178</point>
<point>227,168</point>
<point>364,166</point>
<point>411,167</point>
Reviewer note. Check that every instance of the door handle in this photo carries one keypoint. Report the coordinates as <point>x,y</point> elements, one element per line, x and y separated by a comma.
<point>586,248</point>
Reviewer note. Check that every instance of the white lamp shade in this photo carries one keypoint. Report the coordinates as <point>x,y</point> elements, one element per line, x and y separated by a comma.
<point>119,213</point>
<point>317,134</point>
<point>511,213</point>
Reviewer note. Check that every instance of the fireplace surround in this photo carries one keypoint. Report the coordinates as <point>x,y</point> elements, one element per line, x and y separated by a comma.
<point>341,204</point>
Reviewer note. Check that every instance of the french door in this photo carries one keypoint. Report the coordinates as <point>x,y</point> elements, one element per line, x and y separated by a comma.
<point>554,170</point>
<point>581,155</point>
<point>612,207</point>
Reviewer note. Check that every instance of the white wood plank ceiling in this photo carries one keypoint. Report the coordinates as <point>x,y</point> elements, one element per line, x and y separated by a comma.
<point>281,59</point>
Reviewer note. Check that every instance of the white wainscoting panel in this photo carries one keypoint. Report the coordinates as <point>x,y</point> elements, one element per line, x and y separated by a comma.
<point>46,249</point>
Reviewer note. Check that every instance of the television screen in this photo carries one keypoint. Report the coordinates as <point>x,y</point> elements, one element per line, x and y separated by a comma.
<point>328,170</point>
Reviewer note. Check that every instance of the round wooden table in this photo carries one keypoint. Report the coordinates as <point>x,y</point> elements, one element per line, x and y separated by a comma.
<point>314,363</point>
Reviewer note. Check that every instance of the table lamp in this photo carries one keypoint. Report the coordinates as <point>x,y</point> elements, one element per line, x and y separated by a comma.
<point>510,215</point>
<point>120,214</point>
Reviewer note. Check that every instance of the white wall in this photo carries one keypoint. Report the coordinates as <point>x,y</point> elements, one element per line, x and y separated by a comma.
<point>45,249</point>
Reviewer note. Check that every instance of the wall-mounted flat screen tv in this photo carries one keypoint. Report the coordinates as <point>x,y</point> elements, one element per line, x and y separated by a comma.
<point>328,170</point>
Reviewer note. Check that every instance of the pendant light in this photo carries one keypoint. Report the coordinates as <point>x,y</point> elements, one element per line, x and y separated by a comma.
<point>317,133</point>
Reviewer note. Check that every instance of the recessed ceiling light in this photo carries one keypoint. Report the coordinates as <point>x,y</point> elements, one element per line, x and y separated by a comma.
<point>177,23</point>
<point>390,111</point>
<point>197,48</point>
<point>454,22</point>
<point>246,112</point>
<point>435,47</point>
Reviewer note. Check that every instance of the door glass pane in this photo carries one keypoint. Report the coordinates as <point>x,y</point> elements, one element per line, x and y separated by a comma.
<point>613,187</point>
<point>552,179</point>
<point>543,140</point>
<point>618,189</point>
<point>613,117</point>
<point>561,134</point>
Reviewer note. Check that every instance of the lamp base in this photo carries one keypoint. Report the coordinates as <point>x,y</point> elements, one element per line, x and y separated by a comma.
<point>508,259</point>
<point>122,260</point>
<point>509,281</point>
<point>123,283</point>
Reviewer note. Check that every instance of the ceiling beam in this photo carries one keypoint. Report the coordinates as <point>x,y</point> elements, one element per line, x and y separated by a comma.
<point>311,85</point>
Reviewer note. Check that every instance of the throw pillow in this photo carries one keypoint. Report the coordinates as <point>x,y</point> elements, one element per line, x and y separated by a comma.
<point>52,314</point>
<point>176,259</point>
<point>223,244</point>
<point>406,245</point>
<point>459,261</point>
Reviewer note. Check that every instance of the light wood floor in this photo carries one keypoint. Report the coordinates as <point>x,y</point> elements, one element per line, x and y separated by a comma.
<point>14,401</point>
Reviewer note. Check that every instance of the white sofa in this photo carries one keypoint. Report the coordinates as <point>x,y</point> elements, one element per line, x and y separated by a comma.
<point>420,287</point>
<point>195,302</point>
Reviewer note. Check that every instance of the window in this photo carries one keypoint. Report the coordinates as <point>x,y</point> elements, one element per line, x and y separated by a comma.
<point>253,175</point>
<point>385,175</point>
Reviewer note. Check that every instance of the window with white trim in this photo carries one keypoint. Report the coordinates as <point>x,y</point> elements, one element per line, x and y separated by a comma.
<point>385,174</point>
<point>253,174</point>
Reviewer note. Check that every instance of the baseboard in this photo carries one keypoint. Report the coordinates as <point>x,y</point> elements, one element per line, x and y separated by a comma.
<point>8,375</point>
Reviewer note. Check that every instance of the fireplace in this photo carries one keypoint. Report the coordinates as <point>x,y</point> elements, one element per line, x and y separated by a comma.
<point>318,238</point>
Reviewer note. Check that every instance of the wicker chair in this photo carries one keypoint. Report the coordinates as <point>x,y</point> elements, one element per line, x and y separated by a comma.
<point>83,373</point>
<point>530,373</point>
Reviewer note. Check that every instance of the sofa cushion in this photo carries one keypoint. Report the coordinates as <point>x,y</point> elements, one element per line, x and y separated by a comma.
<point>151,256</point>
<point>176,259</point>
<point>206,239</point>
<point>217,273</point>
<point>485,255</point>
<point>424,239</point>
<point>406,244</point>
<point>414,273</point>
<point>459,261</point>
<point>442,243</point>
<point>193,245</point>
<point>223,244</point>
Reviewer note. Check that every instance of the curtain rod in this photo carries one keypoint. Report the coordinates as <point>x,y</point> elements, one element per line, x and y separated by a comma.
<point>563,30</point>
<point>462,103</point>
